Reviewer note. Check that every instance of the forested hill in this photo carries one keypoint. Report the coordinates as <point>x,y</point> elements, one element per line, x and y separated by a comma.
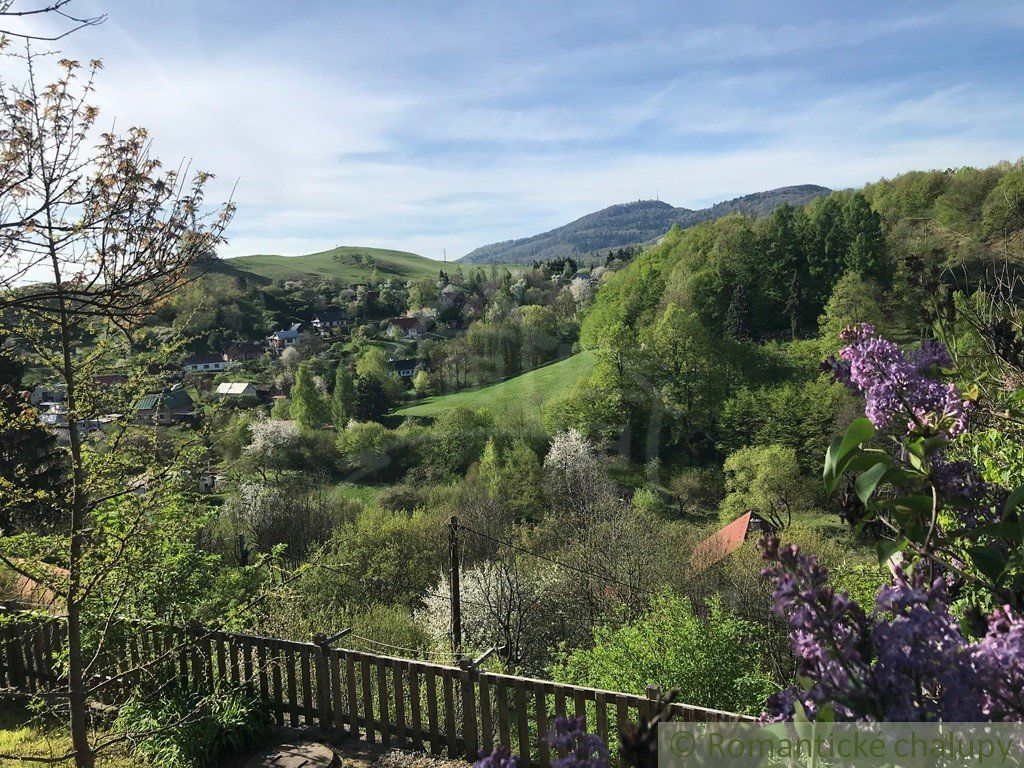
<point>631,224</point>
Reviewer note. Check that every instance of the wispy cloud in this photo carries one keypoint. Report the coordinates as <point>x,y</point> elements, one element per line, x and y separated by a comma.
<point>425,126</point>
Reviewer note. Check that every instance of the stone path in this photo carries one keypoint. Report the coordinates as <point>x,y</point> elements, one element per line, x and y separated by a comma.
<point>306,754</point>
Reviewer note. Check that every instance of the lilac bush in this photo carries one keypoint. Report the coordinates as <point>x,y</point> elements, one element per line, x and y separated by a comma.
<point>573,745</point>
<point>908,659</point>
<point>501,757</point>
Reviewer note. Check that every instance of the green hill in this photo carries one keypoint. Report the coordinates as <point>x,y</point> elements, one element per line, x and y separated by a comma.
<point>529,390</point>
<point>349,263</point>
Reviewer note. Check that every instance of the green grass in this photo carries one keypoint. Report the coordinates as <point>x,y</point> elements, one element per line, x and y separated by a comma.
<point>368,494</point>
<point>343,263</point>
<point>528,391</point>
<point>24,737</point>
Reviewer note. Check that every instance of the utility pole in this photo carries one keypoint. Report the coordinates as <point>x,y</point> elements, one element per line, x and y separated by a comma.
<point>453,549</point>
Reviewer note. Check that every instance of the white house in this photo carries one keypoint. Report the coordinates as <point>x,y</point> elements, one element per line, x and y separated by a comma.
<point>278,340</point>
<point>236,389</point>
<point>205,363</point>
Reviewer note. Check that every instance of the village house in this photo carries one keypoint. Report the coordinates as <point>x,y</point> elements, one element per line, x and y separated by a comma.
<point>329,321</point>
<point>237,390</point>
<point>278,341</point>
<point>240,353</point>
<point>167,407</point>
<point>205,362</point>
<point>726,541</point>
<point>47,393</point>
<point>406,369</point>
<point>406,327</point>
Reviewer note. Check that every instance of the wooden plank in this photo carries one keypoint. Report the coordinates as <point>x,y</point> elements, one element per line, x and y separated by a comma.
<point>523,724</point>
<point>234,668</point>
<point>307,686</point>
<point>579,705</point>
<point>501,696</point>
<point>364,674</point>
<point>621,717</point>
<point>560,701</point>
<point>541,705</point>
<point>469,714</point>
<point>247,670</point>
<point>293,693</point>
<point>398,672</point>
<point>448,693</point>
<point>353,709</point>
<point>335,673</point>
<point>278,696</point>
<point>602,715</point>
<point>264,669</point>
<point>486,723</point>
<point>414,705</point>
<point>382,697</point>
<point>432,719</point>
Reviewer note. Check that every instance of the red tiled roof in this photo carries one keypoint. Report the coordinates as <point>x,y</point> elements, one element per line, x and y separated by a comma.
<point>715,547</point>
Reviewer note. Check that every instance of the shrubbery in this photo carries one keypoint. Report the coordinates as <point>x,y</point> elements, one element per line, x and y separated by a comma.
<point>184,729</point>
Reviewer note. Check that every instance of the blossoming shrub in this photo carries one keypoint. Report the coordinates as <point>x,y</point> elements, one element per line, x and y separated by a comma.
<point>908,658</point>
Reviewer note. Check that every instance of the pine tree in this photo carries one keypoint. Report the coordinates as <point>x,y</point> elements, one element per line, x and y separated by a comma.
<point>737,317</point>
<point>342,396</point>
<point>793,305</point>
<point>867,250</point>
<point>309,408</point>
<point>371,399</point>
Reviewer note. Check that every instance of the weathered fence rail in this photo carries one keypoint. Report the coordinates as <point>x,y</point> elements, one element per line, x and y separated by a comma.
<point>398,702</point>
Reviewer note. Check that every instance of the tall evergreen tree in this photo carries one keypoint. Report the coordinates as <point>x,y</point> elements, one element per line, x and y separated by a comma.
<point>867,250</point>
<point>309,408</point>
<point>342,396</point>
<point>371,399</point>
<point>737,317</point>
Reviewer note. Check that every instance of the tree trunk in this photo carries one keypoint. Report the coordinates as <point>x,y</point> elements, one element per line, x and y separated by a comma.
<point>84,756</point>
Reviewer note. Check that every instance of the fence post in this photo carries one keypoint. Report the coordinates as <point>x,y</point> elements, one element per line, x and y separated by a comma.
<point>321,661</point>
<point>15,663</point>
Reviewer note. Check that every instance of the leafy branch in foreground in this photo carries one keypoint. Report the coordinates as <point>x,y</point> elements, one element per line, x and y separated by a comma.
<point>908,659</point>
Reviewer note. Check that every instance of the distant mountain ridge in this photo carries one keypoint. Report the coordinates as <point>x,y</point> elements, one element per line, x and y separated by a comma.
<point>631,224</point>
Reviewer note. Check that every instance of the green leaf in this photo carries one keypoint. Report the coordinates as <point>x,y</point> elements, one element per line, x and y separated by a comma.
<point>988,562</point>
<point>1013,500</point>
<point>867,482</point>
<point>886,549</point>
<point>842,451</point>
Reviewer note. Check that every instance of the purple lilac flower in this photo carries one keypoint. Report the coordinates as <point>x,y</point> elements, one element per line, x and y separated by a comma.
<point>897,387</point>
<point>999,658</point>
<point>501,757</point>
<point>907,661</point>
<point>575,747</point>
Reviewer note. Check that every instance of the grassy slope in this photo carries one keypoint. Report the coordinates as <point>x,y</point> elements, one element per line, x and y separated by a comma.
<point>530,390</point>
<point>338,262</point>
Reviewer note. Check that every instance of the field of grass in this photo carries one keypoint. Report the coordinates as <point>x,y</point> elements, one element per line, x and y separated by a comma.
<point>530,390</point>
<point>350,263</point>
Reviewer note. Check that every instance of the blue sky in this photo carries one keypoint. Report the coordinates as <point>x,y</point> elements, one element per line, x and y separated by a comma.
<point>435,125</point>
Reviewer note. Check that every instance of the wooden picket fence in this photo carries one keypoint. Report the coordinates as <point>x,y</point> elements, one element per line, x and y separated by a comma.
<point>402,703</point>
